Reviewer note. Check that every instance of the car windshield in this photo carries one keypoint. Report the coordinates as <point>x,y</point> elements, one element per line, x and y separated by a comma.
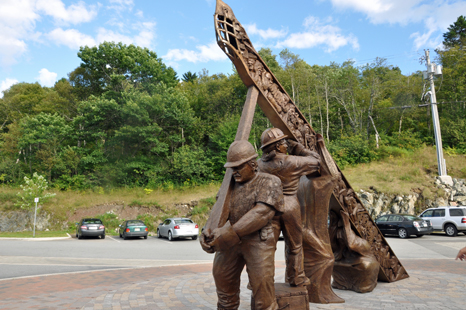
<point>183,221</point>
<point>92,221</point>
<point>135,223</point>
<point>412,218</point>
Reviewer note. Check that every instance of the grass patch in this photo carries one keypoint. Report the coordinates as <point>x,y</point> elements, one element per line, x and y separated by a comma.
<point>399,175</point>
<point>66,202</point>
<point>200,213</point>
<point>28,234</point>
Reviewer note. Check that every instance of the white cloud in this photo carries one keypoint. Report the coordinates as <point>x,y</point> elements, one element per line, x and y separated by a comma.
<point>318,34</point>
<point>71,38</point>
<point>265,34</point>
<point>204,53</point>
<point>74,14</point>
<point>17,21</point>
<point>6,84</point>
<point>120,5</point>
<point>372,6</point>
<point>436,15</point>
<point>74,39</point>
<point>47,78</point>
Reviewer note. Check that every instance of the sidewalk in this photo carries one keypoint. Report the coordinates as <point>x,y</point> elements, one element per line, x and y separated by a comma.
<point>433,284</point>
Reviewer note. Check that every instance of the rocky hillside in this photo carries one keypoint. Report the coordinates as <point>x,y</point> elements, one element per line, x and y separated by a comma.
<point>378,203</point>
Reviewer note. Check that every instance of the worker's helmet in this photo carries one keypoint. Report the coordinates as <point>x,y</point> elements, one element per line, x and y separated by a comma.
<point>240,152</point>
<point>271,135</point>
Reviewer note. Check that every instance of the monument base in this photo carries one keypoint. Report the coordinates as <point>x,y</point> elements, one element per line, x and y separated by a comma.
<point>289,298</point>
<point>446,179</point>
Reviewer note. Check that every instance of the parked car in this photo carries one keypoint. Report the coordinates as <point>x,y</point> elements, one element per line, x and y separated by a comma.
<point>403,225</point>
<point>449,219</point>
<point>173,228</point>
<point>90,228</point>
<point>133,228</point>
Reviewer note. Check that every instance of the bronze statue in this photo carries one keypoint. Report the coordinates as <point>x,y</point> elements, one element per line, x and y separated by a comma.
<point>289,168</point>
<point>356,267</point>
<point>316,194</point>
<point>247,238</point>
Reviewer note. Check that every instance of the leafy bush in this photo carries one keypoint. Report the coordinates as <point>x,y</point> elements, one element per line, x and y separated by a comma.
<point>75,182</point>
<point>150,221</point>
<point>34,187</point>
<point>357,149</point>
<point>110,220</point>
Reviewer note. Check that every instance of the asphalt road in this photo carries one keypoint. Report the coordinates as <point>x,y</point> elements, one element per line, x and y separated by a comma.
<point>26,257</point>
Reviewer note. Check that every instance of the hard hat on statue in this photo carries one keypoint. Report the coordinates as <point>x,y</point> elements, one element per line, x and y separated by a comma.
<point>240,152</point>
<point>271,135</point>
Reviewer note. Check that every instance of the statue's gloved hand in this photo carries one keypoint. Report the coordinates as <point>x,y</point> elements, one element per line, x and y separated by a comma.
<point>204,241</point>
<point>315,155</point>
<point>224,238</point>
<point>269,156</point>
<point>292,143</point>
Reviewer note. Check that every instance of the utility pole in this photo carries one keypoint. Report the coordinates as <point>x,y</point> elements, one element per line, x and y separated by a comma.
<point>433,69</point>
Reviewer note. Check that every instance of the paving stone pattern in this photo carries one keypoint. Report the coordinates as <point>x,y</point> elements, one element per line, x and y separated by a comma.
<point>433,284</point>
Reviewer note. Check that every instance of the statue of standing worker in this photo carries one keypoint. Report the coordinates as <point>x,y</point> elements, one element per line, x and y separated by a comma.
<point>289,168</point>
<point>247,238</point>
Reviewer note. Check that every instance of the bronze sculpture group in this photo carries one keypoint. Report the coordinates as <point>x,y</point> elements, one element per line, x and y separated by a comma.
<point>295,187</point>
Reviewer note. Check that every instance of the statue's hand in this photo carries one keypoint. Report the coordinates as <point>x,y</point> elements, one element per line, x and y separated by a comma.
<point>224,238</point>
<point>315,155</point>
<point>204,241</point>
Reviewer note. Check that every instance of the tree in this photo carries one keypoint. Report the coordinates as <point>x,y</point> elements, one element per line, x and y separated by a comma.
<point>41,140</point>
<point>111,67</point>
<point>189,77</point>
<point>456,34</point>
<point>34,187</point>
<point>270,60</point>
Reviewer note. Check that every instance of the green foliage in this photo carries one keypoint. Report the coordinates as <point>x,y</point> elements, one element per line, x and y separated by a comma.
<point>110,221</point>
<point>355,150</point>
<point>456,34</point>
<point>123,119</point>
<point>150,221</point>
<point>189,77</point>
<point>111,67</point>
<point>34,187</point>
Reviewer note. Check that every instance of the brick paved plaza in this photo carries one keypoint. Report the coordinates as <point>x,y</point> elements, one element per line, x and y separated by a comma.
<point>433,284</point>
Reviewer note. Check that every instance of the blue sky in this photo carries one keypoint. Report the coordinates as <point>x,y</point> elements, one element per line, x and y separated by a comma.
<point>39,39</point>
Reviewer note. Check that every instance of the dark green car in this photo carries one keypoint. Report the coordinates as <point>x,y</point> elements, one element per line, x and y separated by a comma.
<point>133,228</point>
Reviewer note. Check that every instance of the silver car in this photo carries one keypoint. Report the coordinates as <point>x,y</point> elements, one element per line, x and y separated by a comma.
<point>449,219</point>
<point>173,228</point>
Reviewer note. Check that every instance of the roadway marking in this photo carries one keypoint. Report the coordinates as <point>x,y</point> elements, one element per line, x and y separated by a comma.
<point>115,239</point>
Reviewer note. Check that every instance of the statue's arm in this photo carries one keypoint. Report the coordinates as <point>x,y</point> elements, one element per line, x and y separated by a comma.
<point>254,219</point>
<point>297,149</point>
<point>223,238</point>
<point>353,242</point>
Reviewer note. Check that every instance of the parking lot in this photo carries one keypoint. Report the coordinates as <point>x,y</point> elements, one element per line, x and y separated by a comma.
<point>113,273</point>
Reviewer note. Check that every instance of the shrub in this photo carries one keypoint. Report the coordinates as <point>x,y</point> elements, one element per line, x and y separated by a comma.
<point>110,220</point>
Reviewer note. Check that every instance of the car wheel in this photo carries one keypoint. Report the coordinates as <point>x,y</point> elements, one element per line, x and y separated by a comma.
<point>419,236</point>
<point>451,230</point>
<point>102,237</point>
<point>158,234</point>
<point>170,237</point>
<point>80,236</point>
<point>121,236</point>
<point>124,237</point>
<point>194,237</point>
<point>402,233</point>
<point>77,235</point>
<point>145,237</point>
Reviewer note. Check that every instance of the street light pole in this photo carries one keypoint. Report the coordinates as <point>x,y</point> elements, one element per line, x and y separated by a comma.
<point>442,169</point>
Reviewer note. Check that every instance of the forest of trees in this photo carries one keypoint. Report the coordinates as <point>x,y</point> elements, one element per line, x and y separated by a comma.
<point>123,118</point>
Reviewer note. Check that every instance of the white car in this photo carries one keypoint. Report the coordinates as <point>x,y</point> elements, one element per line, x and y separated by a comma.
<point>173,228</point>
<point>449,219</point>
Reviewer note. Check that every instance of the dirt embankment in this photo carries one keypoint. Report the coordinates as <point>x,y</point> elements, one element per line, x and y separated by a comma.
<point>131,212</point>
